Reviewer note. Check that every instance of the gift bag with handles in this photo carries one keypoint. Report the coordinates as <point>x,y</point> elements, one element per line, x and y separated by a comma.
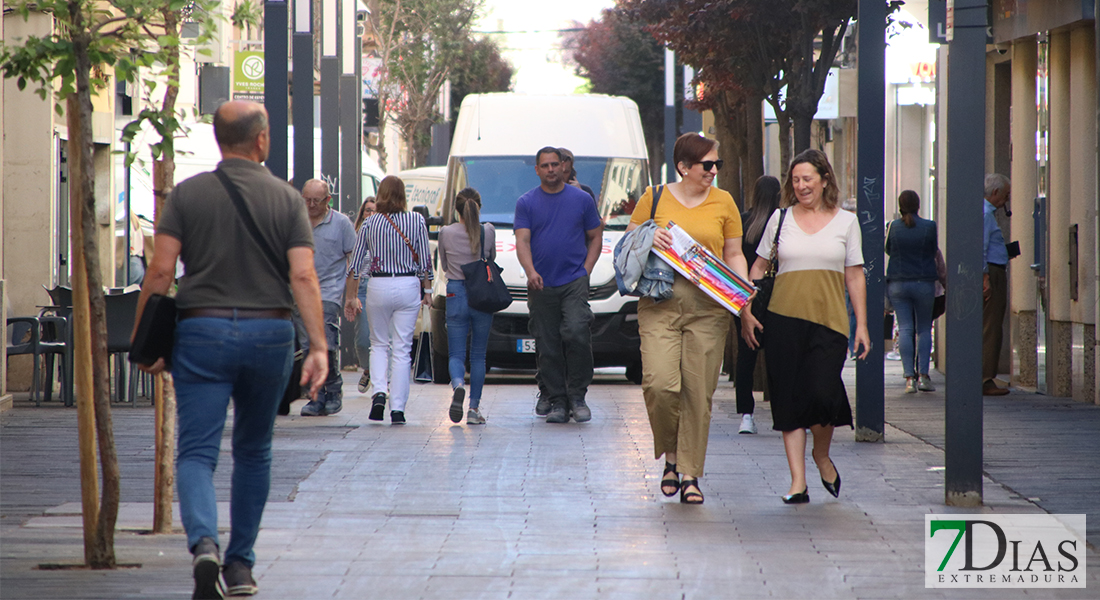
<point>422,365</point>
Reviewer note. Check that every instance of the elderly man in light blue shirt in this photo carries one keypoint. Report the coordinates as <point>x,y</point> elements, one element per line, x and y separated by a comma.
<point>333,242</point>
<point>998,190</point>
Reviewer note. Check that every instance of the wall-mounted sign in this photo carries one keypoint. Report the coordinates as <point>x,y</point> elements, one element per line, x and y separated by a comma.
<point>248,76</point>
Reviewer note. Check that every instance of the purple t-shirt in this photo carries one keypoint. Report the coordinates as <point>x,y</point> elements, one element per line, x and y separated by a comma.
<point>558,223</point>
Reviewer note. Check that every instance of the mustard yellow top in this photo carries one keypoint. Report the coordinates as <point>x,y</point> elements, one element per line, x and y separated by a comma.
<point>711,223</point>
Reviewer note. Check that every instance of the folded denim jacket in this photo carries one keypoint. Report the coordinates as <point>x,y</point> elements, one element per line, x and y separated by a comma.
<point>638,271</point>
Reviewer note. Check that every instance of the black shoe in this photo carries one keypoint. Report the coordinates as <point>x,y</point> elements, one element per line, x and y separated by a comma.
<point>687,495</point>
<point>581,412</point>
<point>558,413</point>
<point>333,406</point>
<point>378,407</point>
<point>671,480</point>
<point>397,417</point>
<point>238,580</point>
<point>542,407</point>
<point>834,487</point>
<point>800,498</point>
<point>206,567</point>
<point>456,404</point>
<point>314,408</point>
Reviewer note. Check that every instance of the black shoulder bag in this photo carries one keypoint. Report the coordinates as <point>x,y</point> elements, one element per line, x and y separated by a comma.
<point>485,290</point>
<point>764,286</point>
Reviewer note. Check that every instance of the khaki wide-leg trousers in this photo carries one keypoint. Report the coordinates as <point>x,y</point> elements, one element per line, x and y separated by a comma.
<point>683,339</point>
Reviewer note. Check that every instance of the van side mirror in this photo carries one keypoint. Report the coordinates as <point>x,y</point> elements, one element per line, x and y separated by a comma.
<point>429,220</point>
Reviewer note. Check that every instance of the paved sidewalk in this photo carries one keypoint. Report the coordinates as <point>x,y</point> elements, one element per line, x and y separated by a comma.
<point>521,509</point>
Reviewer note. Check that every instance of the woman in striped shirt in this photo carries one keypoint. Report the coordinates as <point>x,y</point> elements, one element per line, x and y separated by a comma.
<point>391,249</point>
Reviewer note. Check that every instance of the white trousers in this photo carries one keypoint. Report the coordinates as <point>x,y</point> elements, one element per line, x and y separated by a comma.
<point>393,304</point>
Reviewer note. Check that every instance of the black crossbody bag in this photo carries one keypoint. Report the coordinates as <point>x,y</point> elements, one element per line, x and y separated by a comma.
<point>764,286</point>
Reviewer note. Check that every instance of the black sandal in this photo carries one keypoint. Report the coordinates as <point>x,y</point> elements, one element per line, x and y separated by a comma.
<point>670,479</point>
<point>690,497</point>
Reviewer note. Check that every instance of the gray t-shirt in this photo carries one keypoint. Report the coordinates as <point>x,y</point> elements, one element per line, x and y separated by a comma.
<point>454,248</point>
<point>333,240</point>
<point>224,267</point>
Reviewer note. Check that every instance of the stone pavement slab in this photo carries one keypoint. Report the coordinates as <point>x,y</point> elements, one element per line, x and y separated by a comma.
<point>514,509</point>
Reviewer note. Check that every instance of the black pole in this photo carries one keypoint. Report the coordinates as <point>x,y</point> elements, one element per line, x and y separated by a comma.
<point>965,167</point>
<point>275,83</point>
<point>302,65</point>
<point>870,184</point>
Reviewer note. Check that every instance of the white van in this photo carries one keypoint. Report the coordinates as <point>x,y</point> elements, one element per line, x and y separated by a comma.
<point>493,151</point>
<point>424,187</point>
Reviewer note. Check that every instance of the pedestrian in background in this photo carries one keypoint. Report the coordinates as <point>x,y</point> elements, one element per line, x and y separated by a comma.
<point>569,172</point>
<point>362,328</point>
<point>461,243</point>
<point>558,239</point>
<point>911,243</point>
<point>806,341</point>
<point>333,241</point>
<point>998,190</point>
<point>683,338</point>
<point>392,245</point>
<point>765,200</point>
<point>234,338</point>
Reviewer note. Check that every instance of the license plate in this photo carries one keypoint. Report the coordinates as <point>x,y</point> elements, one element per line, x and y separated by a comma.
<point>525,346</point>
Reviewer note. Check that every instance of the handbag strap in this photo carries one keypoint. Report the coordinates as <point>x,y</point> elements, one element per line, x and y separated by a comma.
<point>416,257</point>
<point>656,199</point>
<point>774,259</point>
<point>483,242</point>
<point>250,225</point>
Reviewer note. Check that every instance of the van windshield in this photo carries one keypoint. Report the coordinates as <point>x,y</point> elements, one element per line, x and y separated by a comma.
<point>501,180</point>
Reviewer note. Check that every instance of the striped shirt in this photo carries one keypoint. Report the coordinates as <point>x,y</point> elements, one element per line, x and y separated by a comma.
<point>379,248</point>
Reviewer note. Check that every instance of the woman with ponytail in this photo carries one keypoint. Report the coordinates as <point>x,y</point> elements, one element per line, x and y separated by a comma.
<point>461,243</point>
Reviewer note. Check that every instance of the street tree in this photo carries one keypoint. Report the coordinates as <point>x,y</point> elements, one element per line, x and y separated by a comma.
<point>479,68</point>
<point>418,41</point>
<point>619,58</point>
<point>70,65</point>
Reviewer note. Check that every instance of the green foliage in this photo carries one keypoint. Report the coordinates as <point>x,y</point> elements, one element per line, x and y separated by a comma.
<point>479,68</point>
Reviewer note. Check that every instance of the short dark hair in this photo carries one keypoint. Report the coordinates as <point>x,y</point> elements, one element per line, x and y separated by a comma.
<point>816,158</point>
<point>547,150</point>
<point>240,132</point>
<point>391,196</point>
<point>690,149</point>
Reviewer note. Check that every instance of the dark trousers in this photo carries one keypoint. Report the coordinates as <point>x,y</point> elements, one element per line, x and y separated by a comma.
<point>993,316</point>
<point>746,366</point>
<point>333,388</point>
<point>561,322</point>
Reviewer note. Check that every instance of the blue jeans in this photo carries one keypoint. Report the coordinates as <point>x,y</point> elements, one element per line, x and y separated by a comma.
<point>333,388</point>
<point>362,329</point>
<point>912,302</point>
<point>462,321</point>
<point>215,359</point>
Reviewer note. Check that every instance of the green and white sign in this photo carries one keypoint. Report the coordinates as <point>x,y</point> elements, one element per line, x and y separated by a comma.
<point>248,76</point>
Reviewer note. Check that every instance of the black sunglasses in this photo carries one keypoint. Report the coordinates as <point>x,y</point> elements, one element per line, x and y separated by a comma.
<point>710,164</point>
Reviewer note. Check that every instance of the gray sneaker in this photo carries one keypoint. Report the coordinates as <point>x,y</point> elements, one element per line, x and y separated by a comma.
<point>364,382</point>
<point>925,384</point>
<point>314,408</point>
<point>581,412</point>
<point>238,580</point>
<point>558,413</point>
<point>205,567</point>
<point>333,405</point>
<point>542,407</point>
<point>455,413</point>
<point>474,417</point>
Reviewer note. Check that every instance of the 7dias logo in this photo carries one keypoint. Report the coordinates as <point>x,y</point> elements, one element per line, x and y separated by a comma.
<point>1004,551</point>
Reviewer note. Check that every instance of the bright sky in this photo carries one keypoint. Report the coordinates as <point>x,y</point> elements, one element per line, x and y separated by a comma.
<point>535,55</point>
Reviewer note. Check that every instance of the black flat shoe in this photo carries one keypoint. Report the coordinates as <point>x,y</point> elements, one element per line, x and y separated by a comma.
<point>670,480</point>
<point>800,498</point>
<point>833,487</point>
<point>687,496</point>
<point>378,407</point>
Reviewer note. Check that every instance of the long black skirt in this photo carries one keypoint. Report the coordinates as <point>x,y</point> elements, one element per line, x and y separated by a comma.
<point>804,367</point>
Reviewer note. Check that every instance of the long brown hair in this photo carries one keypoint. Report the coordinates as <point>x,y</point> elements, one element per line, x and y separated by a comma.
<point>468,204</point>
<point>765,199</point>
<point>391,196</point>
<point>362,216</point>
<point>830,196</point>
<point>909,205</point>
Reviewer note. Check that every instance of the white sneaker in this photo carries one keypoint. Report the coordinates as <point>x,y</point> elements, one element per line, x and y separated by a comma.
<point>748,425</point>
<point>474,417</point>
<point>924,384</point>
<point>910,385</point>
<point>893,355</point>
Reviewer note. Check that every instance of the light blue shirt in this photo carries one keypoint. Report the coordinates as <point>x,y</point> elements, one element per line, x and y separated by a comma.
<point>993,242</point>
<point>333,241</point>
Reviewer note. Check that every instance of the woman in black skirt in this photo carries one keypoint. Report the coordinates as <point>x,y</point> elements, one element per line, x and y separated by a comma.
<point>806,328</point>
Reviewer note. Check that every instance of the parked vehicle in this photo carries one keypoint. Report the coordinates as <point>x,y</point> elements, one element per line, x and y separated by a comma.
<point>424,187</point>
<point>493,150</point>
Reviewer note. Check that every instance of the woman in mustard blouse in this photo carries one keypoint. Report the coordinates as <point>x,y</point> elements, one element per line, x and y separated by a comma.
<point>683,338</point>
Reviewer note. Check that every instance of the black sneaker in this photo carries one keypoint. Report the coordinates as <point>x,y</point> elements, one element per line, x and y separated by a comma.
<point>456,404</point>
<point>397,417</point>
<point>542,406</point>
<point>205,567</point>
<point>333,406</point>
<point>378,407</point>
<point>581,412</point>
<point>238,580</point>
<point>314,408</point>
<point>558,413</point>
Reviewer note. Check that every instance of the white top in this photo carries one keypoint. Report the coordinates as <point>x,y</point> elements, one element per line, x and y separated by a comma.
<point>837,245</point>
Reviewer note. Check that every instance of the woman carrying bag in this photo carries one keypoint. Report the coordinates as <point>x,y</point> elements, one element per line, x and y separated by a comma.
<point>461,243</point>
<point>392,248</point>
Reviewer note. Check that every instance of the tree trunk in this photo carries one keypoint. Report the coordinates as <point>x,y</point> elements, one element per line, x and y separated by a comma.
<point>752,168</point>
<point>784,121</point>
<point>729,126</point>
<point>803,130</point>
<point>82,183</point>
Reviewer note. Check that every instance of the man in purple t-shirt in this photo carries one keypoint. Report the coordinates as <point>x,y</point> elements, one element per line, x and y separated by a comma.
<point>558,239</point>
